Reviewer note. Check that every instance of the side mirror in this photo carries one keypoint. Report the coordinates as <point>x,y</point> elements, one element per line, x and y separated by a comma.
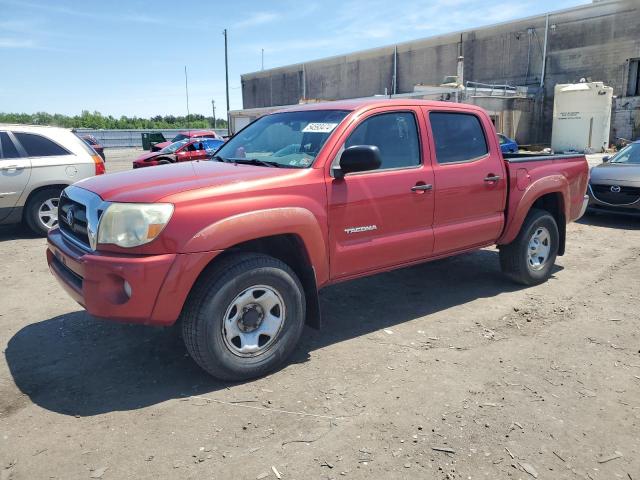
<point>606,159</point>
<point>359,158</point>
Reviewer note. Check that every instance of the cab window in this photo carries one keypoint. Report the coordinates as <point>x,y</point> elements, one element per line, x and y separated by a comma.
<point>395,134</point>
<point>459,137</point>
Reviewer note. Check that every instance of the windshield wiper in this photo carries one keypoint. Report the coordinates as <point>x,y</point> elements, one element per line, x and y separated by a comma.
<point>255,161</point>
<point>218,158</point>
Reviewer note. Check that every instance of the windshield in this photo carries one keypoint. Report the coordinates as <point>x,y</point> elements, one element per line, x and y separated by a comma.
<point>629,154</point>
<point>174,146</point>
<point>179,137</point>
<point>288,139</point>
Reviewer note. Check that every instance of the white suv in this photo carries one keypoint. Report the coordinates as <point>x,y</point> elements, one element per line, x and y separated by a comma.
<point>36,164</point>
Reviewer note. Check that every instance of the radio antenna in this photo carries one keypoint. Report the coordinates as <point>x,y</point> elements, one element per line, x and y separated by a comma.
<point>186,89</point>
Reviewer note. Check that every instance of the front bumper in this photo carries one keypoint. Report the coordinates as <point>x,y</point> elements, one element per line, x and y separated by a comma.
<point>159,284</point>
<point>142,163</point>
<point>597,205</point>
<point>583,209</point>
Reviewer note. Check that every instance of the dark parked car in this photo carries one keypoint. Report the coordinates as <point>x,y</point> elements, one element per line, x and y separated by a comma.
<point>95,144</point>
<point>507,145</point>
<point>181,151</point>
<point>186,135</point>
<point>614,186</point>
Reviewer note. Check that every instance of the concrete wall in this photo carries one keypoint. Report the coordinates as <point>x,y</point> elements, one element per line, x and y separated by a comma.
<point>625,123</point>
<point>594,41</point>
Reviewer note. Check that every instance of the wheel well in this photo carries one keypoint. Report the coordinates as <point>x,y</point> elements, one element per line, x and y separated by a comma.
<point>290,249</point>
<point>36,191</point>
<point>554,204</point>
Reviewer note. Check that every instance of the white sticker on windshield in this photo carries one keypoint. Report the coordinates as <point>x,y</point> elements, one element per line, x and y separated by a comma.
<point>319,127</point>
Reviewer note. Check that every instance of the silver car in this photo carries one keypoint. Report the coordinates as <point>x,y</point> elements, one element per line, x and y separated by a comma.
<point>614,186</point>
<point>36,164</point>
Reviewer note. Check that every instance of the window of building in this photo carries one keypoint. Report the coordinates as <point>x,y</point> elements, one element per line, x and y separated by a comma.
<point>395,134</point>
<point>39,146</point>
<point>633,85</point>
<point>458,137</point>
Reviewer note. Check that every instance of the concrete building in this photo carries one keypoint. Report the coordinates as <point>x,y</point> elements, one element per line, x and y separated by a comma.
<point>598,41</point>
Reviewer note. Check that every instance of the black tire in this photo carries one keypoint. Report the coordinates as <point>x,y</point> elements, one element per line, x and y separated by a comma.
<point>514,257</point>
<point>164,161</point>
<point>31,213</point>
<point>202,317</point>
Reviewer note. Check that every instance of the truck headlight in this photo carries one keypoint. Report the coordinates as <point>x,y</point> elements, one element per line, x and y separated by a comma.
<point>133,224</point>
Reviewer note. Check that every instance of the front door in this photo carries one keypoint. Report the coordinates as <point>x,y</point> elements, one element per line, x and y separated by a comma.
<point>383,218</point>
<point>15,170</point>
<point>470,181</point>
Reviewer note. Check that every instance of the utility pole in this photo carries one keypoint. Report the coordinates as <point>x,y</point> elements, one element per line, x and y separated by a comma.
<point>213,107</point>
<point>226,75</point>
<point>262,59</point>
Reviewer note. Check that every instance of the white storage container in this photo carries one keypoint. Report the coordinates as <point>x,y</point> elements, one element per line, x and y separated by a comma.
<point>581,117</point>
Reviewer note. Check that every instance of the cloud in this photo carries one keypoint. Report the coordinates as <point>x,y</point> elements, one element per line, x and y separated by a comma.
<point>256,19</point>
<point>85,13</point>
<point>15,25</point>
<point>17,43</point>
<point>353,25</point>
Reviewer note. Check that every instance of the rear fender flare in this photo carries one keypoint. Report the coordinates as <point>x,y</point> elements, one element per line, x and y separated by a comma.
<point>244,227</point>
<point>539,188</point>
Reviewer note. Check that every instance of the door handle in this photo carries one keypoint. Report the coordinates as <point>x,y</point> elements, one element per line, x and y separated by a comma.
<point>492,178</point>
<point>422,188</point>
<point>12,167</point>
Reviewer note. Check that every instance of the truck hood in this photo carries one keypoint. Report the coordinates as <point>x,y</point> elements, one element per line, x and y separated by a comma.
<point>617,172</point>
<point>148,185</point>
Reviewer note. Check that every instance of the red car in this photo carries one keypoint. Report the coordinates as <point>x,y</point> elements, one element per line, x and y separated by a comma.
<point>237,248</point>
<point>186,134</point>
<point>93,143</point>
<point>181,151</point>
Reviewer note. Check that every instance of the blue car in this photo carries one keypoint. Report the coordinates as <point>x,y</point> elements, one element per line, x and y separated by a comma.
<point>507,145</point>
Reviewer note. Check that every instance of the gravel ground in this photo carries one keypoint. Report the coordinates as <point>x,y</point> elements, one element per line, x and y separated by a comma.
<point>439,371</point>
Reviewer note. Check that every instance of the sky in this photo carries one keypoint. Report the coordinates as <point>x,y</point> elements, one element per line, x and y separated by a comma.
<point>127,57</point>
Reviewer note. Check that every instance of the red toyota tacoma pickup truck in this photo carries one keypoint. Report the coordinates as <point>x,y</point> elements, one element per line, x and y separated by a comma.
<point>236,248</point>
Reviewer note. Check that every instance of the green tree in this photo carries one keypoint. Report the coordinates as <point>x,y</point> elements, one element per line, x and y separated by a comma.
<point>96,120</point>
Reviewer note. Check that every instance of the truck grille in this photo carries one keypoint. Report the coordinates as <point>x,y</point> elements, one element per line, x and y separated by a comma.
<point>625,196</point>
<point>72,218</point>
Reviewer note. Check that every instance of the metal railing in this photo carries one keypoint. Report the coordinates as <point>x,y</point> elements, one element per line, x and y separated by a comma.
<point>131,138</point>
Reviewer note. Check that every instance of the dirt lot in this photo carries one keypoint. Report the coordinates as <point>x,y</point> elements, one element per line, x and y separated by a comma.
<point>440,371</point>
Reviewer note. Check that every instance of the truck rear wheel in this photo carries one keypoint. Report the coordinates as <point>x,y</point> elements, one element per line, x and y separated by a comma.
<point>530,258</point>
<point>244,316</point>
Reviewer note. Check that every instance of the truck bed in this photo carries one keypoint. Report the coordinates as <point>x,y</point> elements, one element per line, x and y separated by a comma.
<point>538,157</point>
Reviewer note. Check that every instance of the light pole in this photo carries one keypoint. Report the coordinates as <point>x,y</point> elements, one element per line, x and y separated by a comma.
<point>213,108</point>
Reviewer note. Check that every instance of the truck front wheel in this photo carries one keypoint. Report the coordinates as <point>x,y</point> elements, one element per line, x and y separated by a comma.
<point>244,316</point>
<point>530,258</point>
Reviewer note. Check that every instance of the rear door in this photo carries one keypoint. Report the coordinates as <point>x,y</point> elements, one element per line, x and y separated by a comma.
<point>470,183</point>
<point>15,169</point>
<point>378,218</point>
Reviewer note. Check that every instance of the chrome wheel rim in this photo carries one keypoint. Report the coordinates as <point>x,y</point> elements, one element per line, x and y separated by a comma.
<point>539,248</point>
<point>48,213</point>
<point>253,321</point>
